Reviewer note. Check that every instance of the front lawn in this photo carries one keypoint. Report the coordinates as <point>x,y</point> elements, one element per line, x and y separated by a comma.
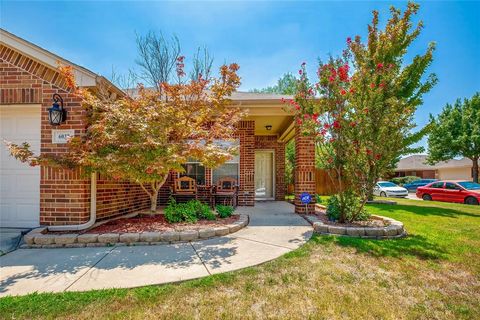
<point>432,274</point>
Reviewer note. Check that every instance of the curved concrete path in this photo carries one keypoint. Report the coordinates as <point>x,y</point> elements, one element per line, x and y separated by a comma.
<point>273,231</point>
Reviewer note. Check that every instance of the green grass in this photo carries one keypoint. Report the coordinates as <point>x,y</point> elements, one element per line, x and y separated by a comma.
<point>434,273</point>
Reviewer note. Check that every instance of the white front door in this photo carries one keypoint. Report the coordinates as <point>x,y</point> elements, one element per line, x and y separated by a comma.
<point>19,183</point>
<point>264,177</point>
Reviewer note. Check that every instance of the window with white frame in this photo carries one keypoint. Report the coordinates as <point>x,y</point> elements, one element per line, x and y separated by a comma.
<point>231,168</point>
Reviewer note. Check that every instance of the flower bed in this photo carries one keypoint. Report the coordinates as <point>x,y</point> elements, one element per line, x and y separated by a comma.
<point>377,227</point>
<point>154,223</point>
<point>139,230</point>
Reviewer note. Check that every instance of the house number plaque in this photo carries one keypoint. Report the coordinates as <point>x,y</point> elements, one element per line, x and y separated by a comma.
<point>62,136</point>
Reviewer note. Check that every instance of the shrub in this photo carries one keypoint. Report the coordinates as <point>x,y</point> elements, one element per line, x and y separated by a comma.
<point>224,211</point>
<point>403,180</point>
<point>180,212</point>
<point>351,208</point>
<point>202,210</point>
<point>190,211</point>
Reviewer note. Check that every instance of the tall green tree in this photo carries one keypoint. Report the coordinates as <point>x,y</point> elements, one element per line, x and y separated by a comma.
<point>455,132</point>
<point>287,84</point>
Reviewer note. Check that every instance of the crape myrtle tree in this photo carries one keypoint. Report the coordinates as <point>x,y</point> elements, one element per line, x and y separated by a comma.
<point>141,137</point>
<point>455,132</point>
<point>361,109</point>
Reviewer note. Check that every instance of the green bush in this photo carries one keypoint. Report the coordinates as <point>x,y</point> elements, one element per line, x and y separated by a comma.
<point>202,210</point>
<point>190,211</point>
<point>180,212</point>
<point>403,180</point>
<point>352,206</point>
<point>224,211</point>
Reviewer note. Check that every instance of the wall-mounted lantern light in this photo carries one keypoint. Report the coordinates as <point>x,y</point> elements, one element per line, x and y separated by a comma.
<point>268,127</point>
<point>57,114</point>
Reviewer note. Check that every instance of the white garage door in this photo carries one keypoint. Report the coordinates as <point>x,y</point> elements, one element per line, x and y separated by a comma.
<point>19,183</point>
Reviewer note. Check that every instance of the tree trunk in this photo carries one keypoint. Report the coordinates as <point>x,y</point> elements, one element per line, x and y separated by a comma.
<point>153,194</point>
<point>475,169</point>
<point>153,200</point>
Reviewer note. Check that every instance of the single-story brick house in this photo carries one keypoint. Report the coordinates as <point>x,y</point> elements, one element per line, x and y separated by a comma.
<point>415,165</point>
<point>32,196</point>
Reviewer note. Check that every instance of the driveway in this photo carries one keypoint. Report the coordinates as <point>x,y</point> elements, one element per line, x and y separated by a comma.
<point>273,231</point>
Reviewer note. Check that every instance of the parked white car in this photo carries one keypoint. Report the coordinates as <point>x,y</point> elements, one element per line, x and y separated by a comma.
<point>389,189</point>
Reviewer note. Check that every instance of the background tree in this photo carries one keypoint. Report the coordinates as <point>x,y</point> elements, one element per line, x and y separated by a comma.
<point>287,84</point>
<point>157,58</point>
<point>455,132</point>
<point>366,101</point>
<point>202,64</point>
<point>142,138</point>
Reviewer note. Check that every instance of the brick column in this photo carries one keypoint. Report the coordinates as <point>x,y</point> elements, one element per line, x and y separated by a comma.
<point>246,134</point>
<point>304,169</point>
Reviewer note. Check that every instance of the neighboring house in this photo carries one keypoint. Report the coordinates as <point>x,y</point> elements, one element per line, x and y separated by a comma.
<point>32,196</point>
<point>415,165</point>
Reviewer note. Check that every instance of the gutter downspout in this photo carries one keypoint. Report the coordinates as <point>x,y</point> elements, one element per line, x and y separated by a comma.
<point>93,210</point>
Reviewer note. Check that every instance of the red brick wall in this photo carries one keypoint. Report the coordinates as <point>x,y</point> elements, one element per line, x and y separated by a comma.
<point>246,134</point>
<point>271,143</point>
<point>64,194</point>
<point>304,169</point>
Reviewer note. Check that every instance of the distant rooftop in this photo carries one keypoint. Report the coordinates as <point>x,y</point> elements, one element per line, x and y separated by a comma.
<point>418,162</point>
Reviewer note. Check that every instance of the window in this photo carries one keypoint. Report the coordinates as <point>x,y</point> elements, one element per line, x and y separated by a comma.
<point>229,169</point>
<point>226,170</point>
<point>470,185</point>
<point>452,186</point>
<point>387,184</point>
<point>194,170</point>
<point>437,185</point>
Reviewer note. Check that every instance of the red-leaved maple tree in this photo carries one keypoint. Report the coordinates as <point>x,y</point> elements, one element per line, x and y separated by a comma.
<point>142,137</point>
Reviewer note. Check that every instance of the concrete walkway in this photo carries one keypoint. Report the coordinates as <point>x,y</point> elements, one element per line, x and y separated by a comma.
<point>273,231</point>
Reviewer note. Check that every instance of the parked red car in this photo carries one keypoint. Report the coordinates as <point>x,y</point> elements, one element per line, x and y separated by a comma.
<point>451,191</point>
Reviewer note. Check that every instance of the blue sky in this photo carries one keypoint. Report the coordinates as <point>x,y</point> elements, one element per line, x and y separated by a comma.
<point>267,39</point>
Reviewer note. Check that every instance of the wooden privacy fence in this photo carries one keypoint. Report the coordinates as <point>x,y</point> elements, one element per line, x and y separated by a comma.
<point>323,183</point>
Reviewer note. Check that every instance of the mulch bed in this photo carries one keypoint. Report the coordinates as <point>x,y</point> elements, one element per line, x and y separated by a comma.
<point>151,223</point>
<point>372,222</point>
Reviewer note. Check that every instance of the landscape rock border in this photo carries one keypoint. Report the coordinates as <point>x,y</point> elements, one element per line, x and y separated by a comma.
<point>394,229</point>
<point>39,238</point>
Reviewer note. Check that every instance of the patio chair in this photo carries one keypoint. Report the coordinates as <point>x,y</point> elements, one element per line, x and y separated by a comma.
<point>227,189</point>
<point>184,187</point>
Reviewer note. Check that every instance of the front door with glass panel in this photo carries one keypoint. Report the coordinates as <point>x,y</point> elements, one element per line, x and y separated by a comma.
<point>264,177</point>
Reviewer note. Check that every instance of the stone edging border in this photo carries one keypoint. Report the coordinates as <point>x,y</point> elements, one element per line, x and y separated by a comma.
<point>38,239</point>
<point>394,230</point>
